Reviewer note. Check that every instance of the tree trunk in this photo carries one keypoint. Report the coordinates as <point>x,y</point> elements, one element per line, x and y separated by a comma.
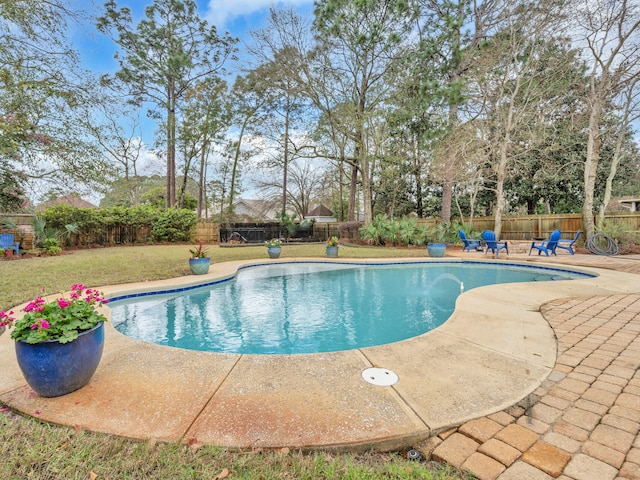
<point>171,147</point>
<point>286,159</point>
<point>449,162</point>
<point>234,171</point>
<point>501,175</point>
<point>419,205</point>
<point>201,177</point>
<point>594,143</point>
<point>367,197</point>
<point>353,187</point>
<point>617,154</point>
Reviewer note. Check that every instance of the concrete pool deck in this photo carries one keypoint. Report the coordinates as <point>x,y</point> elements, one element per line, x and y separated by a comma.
<point>497,349</point>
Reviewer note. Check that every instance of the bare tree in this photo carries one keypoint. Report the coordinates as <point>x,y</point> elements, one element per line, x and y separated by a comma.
<point>609,34</point>
<point>628,108</point>
<point>516,78</point>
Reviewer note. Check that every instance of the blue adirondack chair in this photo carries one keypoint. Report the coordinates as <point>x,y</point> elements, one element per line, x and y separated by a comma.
<point>7,242</point>
<point>567,244</point>
<point>470,243</point>
<point>547,245</point>
<point>489,238</point>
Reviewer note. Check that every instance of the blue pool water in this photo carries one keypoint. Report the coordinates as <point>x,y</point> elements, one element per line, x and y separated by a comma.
<point>312,307</point>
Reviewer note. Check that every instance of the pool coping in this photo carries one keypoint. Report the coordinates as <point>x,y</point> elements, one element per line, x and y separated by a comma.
<point>494,350</point>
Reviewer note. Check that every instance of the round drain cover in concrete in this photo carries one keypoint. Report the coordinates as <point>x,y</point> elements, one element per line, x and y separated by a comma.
<point>379,376</point>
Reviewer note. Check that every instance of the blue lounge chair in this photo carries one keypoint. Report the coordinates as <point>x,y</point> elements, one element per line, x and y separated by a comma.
<point>470,243</point>
<point>7,243</point>
<point>547,245</point>
<point>567,244</point>
<point>492,244</point>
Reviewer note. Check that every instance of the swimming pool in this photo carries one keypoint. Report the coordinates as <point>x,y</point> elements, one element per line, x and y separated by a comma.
<point>312,307</point>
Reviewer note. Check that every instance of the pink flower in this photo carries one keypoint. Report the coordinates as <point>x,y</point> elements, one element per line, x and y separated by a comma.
<point>63,303</point>
<point>6,318</point>
<point>36,305</point>
<point>50,320</point>
<point>40,323</point>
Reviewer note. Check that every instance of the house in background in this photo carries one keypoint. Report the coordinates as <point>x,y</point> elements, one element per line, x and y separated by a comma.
<point>321,214</point>
<point>72,199</point>
<point>629,203</point>
<point>247,210</point>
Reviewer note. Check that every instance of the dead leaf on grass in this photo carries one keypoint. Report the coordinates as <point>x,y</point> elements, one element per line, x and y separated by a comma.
<point>223,474</point>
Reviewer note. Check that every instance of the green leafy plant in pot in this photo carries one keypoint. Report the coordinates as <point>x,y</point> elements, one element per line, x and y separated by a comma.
<point>59,343</point>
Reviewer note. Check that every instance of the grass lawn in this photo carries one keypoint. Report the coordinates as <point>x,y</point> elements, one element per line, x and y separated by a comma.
<point>33,450</point>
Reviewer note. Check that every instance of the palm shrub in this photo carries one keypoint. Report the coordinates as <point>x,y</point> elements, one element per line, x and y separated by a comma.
<point>47,237</point>
<point>392,232</point>
<point>443,232</point>
<point>288,222</point>
<point>383,230</point>
<point>377,232</point>
<point>409,232</point>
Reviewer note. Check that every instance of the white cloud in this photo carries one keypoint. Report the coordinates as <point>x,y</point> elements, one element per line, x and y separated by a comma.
<point>219,12</point>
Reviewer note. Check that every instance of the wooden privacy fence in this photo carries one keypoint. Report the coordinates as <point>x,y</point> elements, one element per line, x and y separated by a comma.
<point>207,233</point>
<point>526,227</point>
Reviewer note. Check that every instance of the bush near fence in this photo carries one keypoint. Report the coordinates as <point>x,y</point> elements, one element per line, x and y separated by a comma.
<point>116,225</point>
<point>110,226</point>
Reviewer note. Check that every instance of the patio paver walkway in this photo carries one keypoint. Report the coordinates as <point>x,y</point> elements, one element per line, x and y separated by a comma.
<point>583,422</point>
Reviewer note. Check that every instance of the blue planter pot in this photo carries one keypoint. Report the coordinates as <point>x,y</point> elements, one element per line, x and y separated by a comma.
<point>199,266</point>
<point>436,249</point>
<point>274,252</point>
<point>52,369</point>
<point>332,251</point>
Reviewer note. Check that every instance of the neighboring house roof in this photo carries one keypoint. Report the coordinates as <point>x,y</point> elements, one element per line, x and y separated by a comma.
<point>71,199</point>
<point>261,210</point>
<point>320,211</point>
<point>629,203</point>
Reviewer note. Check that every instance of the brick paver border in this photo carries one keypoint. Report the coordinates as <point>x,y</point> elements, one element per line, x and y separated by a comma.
<point>583,422</point>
